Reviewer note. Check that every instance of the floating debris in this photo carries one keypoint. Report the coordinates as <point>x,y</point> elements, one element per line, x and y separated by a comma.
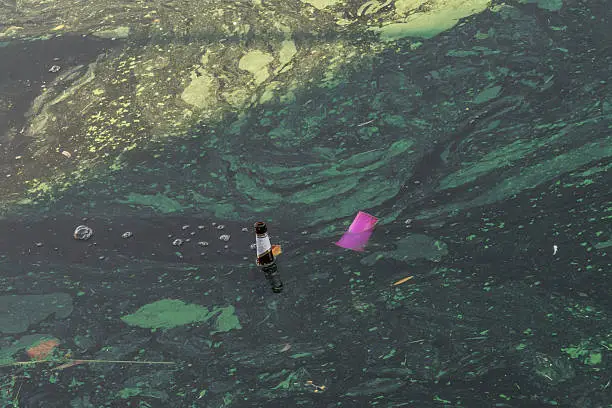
<point>201,227</point>
<point>403,280</point>
<point>555,249</point>
<point>55,68</point>
<point>224,237</point>
<point>359,232</point>
<point>83,233</point>
<point>203,243</point>
<point>127,235</point>
<point>43,349</point>
<point>244,229</point>
<point>220,226</point>
<point>66,153</point>
<point>184,227</point>
<point>177,242</point>
<point>316,388</point>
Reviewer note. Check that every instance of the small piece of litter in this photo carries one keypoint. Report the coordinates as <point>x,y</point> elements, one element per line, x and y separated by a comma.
<point>66,153</point>
<point>359,232</point>
<point>68,364</point>
<point>43,349</point>
<point>403,280</point>
<point>555,248</point>
<point>276,250</point>
<point>83,233</point>
<point>127,235</point>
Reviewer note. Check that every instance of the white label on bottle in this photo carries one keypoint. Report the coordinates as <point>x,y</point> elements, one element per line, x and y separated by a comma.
<point>263,245</point>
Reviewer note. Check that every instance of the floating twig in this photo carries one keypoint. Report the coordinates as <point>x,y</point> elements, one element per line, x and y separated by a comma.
<point>365,123</point>
<point>406,279</point>
<point>79,361</point>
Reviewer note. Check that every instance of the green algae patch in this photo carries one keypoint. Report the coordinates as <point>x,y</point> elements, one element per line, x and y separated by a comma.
<point>322,4</point>
<point>488,94</point>
<point>119,32</point>
<point>441,17</point>
<point>158,202</point>
<point>583,353</point>
<point>169,313</point>
<point>287,51</point>
<point>227,320</point>
<point>201,91</point>
<point>256,62</point>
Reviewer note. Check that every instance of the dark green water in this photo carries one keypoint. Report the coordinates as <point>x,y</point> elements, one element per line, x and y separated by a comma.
<point>484,150</point>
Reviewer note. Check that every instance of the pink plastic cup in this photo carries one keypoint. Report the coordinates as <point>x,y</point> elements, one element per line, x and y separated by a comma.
<point>359,232</point>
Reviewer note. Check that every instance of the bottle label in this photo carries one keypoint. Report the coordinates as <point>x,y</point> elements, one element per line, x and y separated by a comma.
<point>263,245</point>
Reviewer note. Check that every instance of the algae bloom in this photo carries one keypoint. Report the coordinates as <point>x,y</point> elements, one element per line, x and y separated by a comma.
<point>169,313</point>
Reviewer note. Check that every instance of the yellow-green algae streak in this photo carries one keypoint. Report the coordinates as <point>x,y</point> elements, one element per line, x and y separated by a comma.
<point>169,313</point>
<point>183,78</point>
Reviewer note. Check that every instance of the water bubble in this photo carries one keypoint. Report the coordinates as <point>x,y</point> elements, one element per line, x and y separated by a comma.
<point>224,237</point>
<point>201,227</point>
<point>184,227</point>
<point>177,242</point>
<point>253,246</point>
<point>245,229</point>
<point>127,235</point>
<point>220,226</point>
<point>83,232</point>
<point>203,243</point>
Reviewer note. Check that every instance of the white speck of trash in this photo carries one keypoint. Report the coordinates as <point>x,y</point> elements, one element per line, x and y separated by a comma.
<point>127,235</point>
<point>555,249</point>
<point>224,237</point>
<point>177,242</point>
<point>245,229</point>
<point>83,233</point>
<point>55,68</point>
<point>203,243</point>
<point>220,226</point>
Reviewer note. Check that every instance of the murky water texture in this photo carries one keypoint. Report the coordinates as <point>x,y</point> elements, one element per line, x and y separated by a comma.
<point>140,142</point>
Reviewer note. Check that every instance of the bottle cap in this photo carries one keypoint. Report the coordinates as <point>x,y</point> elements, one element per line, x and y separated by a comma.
<point>261,228</point>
